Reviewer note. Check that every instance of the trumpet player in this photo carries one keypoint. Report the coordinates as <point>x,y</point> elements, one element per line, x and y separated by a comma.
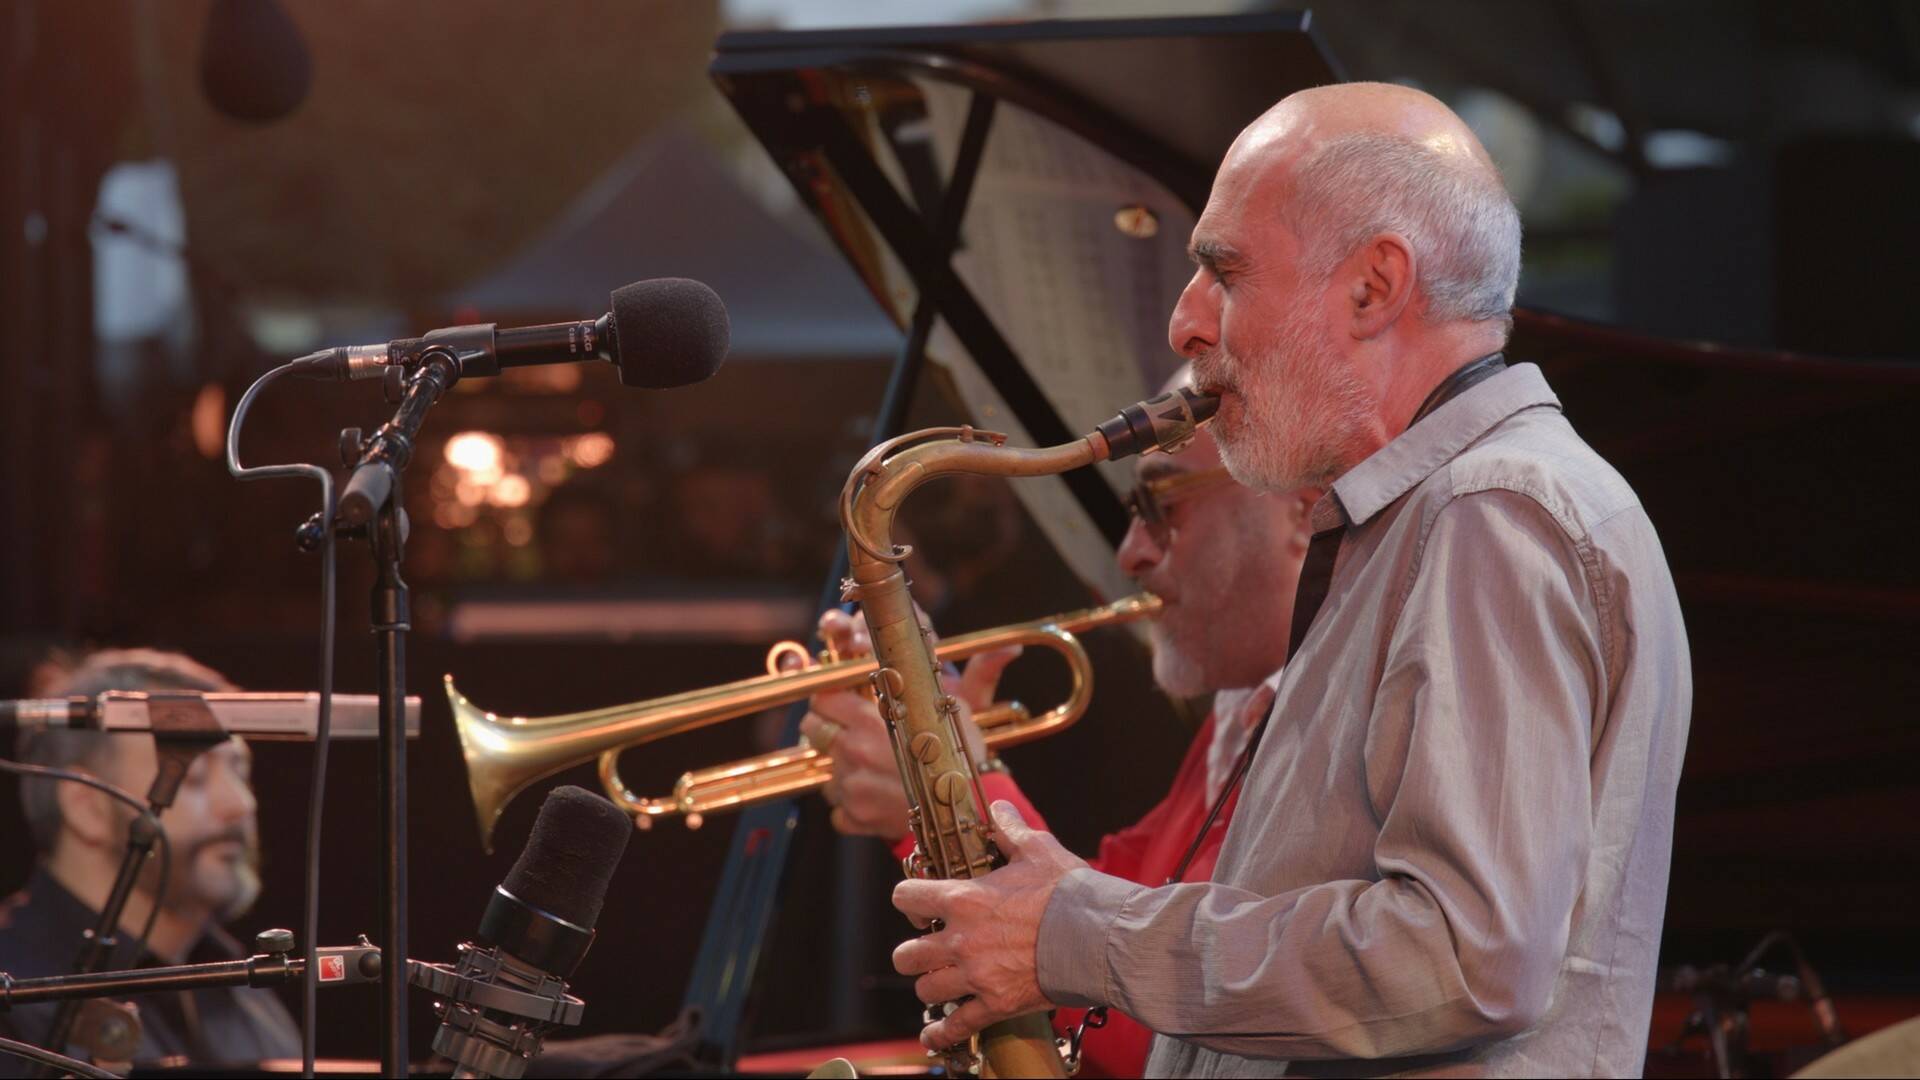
<point>1450,851</point>
<point>1224,560</point>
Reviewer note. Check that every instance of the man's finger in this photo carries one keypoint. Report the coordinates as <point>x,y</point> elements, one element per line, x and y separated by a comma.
<point>1015,836</point>
<point>962,1024</point>
<point>917,956</point>
<point>836,631</point>
<point>848,709</point>
<point>942,984</point>
<point>869,787</point>
<point>981,677</point>
<point>811,724</point>
<point>920,898</point>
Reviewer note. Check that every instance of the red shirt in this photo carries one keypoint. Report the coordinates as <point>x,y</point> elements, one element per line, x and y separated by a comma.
<point>1146,852</point>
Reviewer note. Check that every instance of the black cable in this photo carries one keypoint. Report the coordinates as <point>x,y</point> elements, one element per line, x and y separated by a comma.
<point>19,768</point>
<point>316,795</point>
<point>52,1060</point>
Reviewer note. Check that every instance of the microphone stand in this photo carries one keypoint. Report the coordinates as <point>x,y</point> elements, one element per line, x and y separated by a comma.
<point>370,505</point>
<point>183,726</point>
<point>275,964</point>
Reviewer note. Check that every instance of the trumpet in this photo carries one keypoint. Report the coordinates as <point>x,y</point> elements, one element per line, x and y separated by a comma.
<point>505,754</point>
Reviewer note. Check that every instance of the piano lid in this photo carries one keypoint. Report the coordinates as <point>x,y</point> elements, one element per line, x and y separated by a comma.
<point>1018,198</point>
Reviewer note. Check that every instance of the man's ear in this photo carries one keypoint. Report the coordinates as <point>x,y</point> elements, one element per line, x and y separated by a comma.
<point>89,814</point>
<point>1379,278</point>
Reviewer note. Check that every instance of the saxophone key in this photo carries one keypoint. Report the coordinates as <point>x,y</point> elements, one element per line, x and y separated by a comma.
<point>926,747</point>
<point>950,787</point>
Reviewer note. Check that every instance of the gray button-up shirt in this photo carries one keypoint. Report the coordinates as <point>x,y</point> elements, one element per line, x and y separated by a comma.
<point>1450,857</point>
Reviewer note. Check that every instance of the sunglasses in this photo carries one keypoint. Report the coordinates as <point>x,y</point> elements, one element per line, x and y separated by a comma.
<point>1152,501</point>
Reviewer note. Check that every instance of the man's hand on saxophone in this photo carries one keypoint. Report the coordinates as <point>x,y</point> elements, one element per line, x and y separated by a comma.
<point>865,791</point>
<point>990,927</point>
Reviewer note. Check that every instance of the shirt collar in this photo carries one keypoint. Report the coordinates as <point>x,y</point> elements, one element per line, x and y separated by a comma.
<point>1421,450</point>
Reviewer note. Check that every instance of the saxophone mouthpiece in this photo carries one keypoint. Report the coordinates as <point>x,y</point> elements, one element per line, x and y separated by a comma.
<point>1165,423</point>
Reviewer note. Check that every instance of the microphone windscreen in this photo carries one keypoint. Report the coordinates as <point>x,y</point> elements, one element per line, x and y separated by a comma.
<point>668,332</point>
<point>254,64</point>
<point>568,861</point>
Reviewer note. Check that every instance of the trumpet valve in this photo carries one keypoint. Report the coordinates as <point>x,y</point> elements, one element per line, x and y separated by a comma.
<point>786,657</point>
<point>683,801</point>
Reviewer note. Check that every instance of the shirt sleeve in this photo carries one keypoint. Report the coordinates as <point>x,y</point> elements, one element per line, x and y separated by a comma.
<point>1477,766</point>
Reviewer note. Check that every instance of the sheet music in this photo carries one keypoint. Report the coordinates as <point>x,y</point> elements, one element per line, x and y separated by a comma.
<point>1084,304</point>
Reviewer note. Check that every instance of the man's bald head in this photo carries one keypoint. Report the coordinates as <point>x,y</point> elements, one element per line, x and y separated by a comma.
<point>1340,164</point>
<point>1313,117</point>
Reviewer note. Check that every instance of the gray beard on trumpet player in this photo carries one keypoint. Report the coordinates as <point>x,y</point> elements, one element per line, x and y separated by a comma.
<point>953,836</point>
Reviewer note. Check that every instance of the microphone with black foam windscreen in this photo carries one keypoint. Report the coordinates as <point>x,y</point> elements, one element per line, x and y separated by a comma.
<point>660,333</point>
<point>254,64</point>
<point>509,988</point>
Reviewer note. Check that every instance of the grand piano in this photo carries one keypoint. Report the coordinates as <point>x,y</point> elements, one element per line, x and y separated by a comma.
<point>1017,198</point>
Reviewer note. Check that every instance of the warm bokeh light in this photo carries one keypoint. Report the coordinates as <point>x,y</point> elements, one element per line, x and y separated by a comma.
<point>512,490</point>
<point>474,452</point>
<point>591,450</point>
<point>210,420</point>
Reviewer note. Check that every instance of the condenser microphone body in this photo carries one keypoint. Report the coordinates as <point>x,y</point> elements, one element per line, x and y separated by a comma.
<point>509,988</point>
<point>292,716</point>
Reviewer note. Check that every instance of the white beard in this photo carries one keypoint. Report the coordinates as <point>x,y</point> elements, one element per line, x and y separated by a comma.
<point>1174,671</point>
<point>1300,409</point>
<point>227,887</point>
<point>242,891</point>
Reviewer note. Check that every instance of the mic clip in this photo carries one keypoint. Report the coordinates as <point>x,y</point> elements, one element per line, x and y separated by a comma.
<point>487,980</point>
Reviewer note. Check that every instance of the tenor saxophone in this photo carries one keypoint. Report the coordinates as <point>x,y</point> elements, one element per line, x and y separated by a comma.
<point>953,836</point>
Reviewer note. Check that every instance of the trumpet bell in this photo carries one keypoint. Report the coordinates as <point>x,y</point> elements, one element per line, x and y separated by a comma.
<point>491,779</point>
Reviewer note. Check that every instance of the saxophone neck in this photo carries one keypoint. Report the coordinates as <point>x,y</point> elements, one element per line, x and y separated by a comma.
<point>892,470</point>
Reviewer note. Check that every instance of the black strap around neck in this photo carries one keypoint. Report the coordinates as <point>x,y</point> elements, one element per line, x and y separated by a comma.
<point>1464,376</point>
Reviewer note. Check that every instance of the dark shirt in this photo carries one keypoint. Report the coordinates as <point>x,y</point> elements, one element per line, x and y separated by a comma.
<point>40,934</point>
